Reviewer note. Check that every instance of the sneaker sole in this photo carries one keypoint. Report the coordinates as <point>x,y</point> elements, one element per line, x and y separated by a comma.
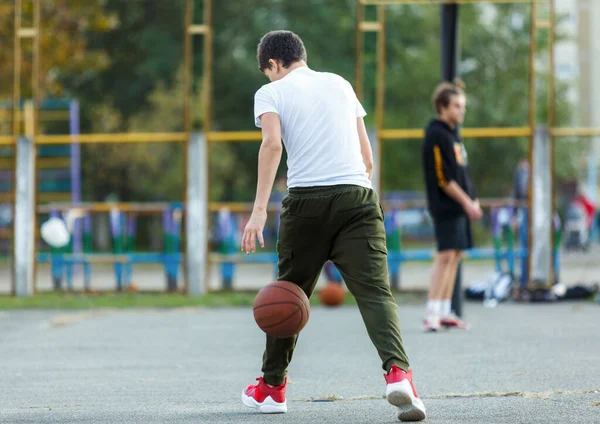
<point>268,406</point>
<point>410,408</point>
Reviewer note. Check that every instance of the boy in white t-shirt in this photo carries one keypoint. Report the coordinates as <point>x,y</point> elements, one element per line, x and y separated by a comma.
<point>330,212</point>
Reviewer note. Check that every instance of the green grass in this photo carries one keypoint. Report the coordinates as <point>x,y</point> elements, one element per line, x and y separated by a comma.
<point>76,301</point>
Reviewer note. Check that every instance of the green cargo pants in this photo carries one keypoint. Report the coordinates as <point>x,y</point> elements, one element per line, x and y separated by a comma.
<point>344,224</point>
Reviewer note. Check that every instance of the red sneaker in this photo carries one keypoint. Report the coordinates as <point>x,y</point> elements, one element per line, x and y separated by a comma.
<point>401,393</point>
<point>268,400</point>
<point>454,322</point>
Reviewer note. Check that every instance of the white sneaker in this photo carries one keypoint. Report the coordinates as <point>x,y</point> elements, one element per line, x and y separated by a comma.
<point>432,322</point>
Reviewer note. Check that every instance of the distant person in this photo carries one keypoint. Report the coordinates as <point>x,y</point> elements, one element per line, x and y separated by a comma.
<point>521,181</point>
<point>520,192</point>
<point>331,212</point>
<point>451,201</point>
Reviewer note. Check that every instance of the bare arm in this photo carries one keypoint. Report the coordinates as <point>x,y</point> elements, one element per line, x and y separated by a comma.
<point>269,157</point>
<point>365,146</point>
<point>472,208</point>
<point>453,190</point>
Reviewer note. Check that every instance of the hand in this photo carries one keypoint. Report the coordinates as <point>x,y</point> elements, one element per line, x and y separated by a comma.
<point>473,209</point>
<point>254,229</point>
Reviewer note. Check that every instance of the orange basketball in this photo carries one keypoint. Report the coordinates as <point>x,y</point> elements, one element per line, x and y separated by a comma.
<point>332,294</point>
<point>281,309</point>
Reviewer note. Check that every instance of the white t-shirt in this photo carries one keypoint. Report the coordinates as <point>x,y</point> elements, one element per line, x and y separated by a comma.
<point>318,112</point>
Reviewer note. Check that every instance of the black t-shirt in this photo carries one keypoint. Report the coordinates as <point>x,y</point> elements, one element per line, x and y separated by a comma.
<point>444,160</point>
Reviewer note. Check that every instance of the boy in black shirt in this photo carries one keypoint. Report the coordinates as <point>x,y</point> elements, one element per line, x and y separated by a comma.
<point>451,201</point>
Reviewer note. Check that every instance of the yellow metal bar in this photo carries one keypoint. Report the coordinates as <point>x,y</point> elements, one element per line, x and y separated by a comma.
<point>187,59</point>
<point>17,69</point>
<point>7,140</point>
<point>35,75</point>
<point>402,134</point>
<point>16,123</point>
<point>370,26</point>
<point>198,29</point>
<point>113,138</point>
<point>29,119</point>
<point>53,197</point>
<point>575,132</point>
<point>359,53</point>
<point>27,33</point>
<point>246,207</point>
<point>208,65</point>
<point>239,207</point>
<point>542,24</point>
<point>7,163</point>
<point>380,100</point>
<point>417,133</point>
<point>434,2</point>
<point>35,87</point>
<point>157,207</point>
<point>7,198</point>
<point>496,132</point>
<point>53,163</point>
<point>230,136</point>
<point>46,115</point>
<point>42,163</point>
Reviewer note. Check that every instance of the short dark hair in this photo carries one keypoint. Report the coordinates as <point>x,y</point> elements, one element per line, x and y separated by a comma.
<point>284,46</point>
<point>444,92</point>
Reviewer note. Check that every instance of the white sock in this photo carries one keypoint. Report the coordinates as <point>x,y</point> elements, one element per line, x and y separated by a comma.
<point>445,307</point>
<point>434,306</point>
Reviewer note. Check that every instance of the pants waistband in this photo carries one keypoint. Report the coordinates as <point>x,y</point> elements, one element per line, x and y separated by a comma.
<point>323,191</point>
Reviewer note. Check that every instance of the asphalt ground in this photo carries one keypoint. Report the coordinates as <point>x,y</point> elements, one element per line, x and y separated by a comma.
<point>520,363</point>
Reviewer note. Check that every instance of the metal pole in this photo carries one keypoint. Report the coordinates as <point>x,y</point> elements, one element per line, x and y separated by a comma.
<point>36,124</point>
<point>24,232</point>
<point>551,124</point>
<point>197,216</point>
<point>187,124</point>
<point>74,129</point>
<point>207,103</point>
<point>380,103</point>
<point>449,18</point>
<point>359,71</point>
<point>532,44</point>
<point>16,128</point>
<point>187,73</point>
<point>449,70</point>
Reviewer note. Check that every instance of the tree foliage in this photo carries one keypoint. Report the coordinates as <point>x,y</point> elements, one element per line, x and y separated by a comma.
<point>123,60</point>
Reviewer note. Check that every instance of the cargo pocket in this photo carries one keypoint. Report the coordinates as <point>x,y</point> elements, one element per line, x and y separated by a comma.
<point>378,245</point>
<point>378,257</point>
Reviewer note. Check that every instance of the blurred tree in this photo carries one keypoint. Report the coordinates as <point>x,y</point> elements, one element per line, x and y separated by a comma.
<point>65,26</point>
<point>121,58</point>
<point>495,67</point>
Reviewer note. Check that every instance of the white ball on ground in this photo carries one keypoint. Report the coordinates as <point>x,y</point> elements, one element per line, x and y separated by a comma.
<point>55,232</point>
